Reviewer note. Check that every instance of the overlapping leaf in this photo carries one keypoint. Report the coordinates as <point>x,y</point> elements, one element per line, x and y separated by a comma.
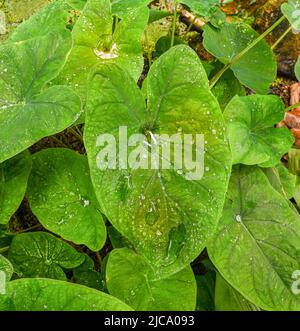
<point>291,10</point>
<point>142,290</point>
<point>98,38</point>
<point>252,135</point>
<point>40,254</point>
<point>256,247</point>
<point>53,295</point>
<point>13,182</point>
<point>153,208</point>
<point>27,111</point>
<point>257,68</point>
<point>61,195</point>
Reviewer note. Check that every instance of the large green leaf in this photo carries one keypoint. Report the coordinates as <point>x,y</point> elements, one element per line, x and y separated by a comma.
<point>229,299</point>
<point>257,69</point>
<point>291,11</point>
<point>252,135</point>
<point>40,254</point>
<point>13,182</point>
<point>28,113</point>
<point>257,244</point>
<point>61,195</point>
<point>6,267</point>
<point>53,295</point>
<point>153,208</point>
<point>142,290</point>
<point>96,40</point>
<point>51,18</point>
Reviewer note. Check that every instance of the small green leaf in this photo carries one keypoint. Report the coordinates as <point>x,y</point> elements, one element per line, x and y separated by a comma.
<point>257,69</point>
<point>61,195</point>
<point>252,135</point>
<point>13,182</point>
<point>53,295</point>
<point>228,299</point>
<point>142,290</point>
<point>251,249</point>
<point>282,180</point>
<point>86,275</point>
<point>152,208</point>
<point>291,11</point>
<point>6,267</point>
<point>28,112</point>
<point>40,254</point>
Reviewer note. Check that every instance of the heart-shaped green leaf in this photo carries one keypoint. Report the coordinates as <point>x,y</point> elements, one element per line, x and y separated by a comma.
<point>142,290</point>
<point>152,207</point>
<point>40,254</point>
<point>7,268</point>
<point>26,67</point>
<point>98,38</point>
<point>291,11</point>
<point>250,248</point>
<point>61,195</point>
<point>54,295</point>
<point>229,299</point>
<point>13,182</point>
<point>257,69</point>
<point>252,135</point>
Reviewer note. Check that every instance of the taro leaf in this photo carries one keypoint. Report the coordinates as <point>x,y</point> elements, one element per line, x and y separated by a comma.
<point>297,69</point>
<point>291,11</point>
<point>86,275</point>
<point>54,295</point>
<point>257,244</point>
<point>61,195</point>
<point>96,42</point>
<point>228,299</point>
<point>27,114</point>
<point>142,290</point>
<point>227,88</point>
<point>40,254</point>
<point>252,135</point>
<point>257,69</point>
<point>5,267</point>
<point>152,207</point>
<point>51,18</point>
<point>282,180</point>
<point>206,291</point>
<point>13,182</point>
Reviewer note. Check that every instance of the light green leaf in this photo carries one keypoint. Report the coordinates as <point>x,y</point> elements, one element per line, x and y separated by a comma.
<point>6,267</point>
<point>297,69</point>
<point>257,244</point>
<point>257,69</point>
<point>61,195</point>
<point>142,290</point>
<point>26,67</point>
<point>96,42</point>
<point>13,182</point>
<point>40,254</point>
<point>291,11</point>
<point>86,275</point>
<point>282,180</point>
<point>252,135</point>
<point>76,4</point>
<point>152,208</point>
<point>51,18</point>
<point>227,88</point>
<point>228,299</point>
<point>53,295</point>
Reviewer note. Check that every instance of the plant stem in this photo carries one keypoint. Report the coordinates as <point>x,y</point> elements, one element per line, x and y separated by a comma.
<point>296,105</point>
<point>278,41</point>
<point>4,249</point>
<point>174,25</point>
<point>75,133</point>
<point>245,51</point>
<point>99,258</point>
<point>31,228</point>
